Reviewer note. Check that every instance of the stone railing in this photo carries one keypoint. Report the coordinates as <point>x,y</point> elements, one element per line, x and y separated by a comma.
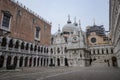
<point>20,50</point>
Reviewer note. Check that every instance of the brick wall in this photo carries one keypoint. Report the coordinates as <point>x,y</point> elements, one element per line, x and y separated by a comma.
<point>22,25</point>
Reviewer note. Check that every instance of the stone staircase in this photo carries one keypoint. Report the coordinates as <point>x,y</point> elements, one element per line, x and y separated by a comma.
<point>99,63</point>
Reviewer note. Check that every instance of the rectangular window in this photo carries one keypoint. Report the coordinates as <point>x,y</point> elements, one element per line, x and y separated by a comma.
<point>37,33</point>
<point>6,21</point>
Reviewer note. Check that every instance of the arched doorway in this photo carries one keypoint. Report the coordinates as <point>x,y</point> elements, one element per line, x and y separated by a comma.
<point>90,61</point>
<point>26,61</point>
<point>47,61</point>
<point>41,61</point>
<point>51,61</point>
<point>21,61</point>
<point>34,62</point>
<point>58,61</point>
<point>44,61</point>
<point>30,62</point>
<point>4,42</point>
<point>114,61</point>
<point>38,61</point>
<point>66,62</point>
<point>15,61</point>
<point>8,61</point>
<point>1,61</point>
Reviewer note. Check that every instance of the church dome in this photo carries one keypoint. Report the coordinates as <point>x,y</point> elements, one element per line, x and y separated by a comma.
<point>68,28</point>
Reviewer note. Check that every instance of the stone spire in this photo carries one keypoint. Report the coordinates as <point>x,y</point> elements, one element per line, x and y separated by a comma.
<point>69,21</point>
<point>80,26</point>
<point>58,27</point>
<point>93,21</point>
<point>81,36</point>
<point>75,23</point>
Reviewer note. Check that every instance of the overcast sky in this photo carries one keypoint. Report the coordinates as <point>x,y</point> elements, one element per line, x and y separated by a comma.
<point>56,11</point>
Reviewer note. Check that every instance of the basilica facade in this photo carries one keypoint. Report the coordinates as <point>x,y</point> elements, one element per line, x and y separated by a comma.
<point>70,44</point>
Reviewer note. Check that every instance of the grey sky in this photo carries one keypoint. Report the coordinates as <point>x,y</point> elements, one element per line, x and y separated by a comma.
<point>56,11</point>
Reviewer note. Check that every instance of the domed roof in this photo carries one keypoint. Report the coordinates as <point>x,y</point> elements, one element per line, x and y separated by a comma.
<point>68,28</point>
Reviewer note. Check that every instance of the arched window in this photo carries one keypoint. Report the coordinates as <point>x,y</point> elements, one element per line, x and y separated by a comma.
<point>27,46</point>
<point>4,42</point>
<point>39,49</point>
<point>47,50</point>
<point>17,44</point>
<point>58,50</point>
<point>106,51</point>
<point>11,43</point>
<point>22,45</point>
<point>31,47</point>
<point>51,50</point>
<point>35,48</point>
<point>111,51</point>
<point>65,50</point>
<point>44,50</point>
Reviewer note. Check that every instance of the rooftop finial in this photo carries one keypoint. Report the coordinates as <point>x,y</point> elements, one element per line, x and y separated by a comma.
<point>69,21</point>
<point>58,27</point>
<point>93,21</point>
<point>79,24</point>
<point>75,22</point>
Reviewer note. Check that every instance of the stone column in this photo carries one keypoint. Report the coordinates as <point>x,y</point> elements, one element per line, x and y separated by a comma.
<point>105,51</point>
<point>18,62</point>
<point>43,61</point>
<point>23,64</point>
<point>5,62</point>
<point>63,61</point>
<point>92,51</point>
<point>56,63</point>
<point>49,61</point>
<point>19,47</point>
<point>37,50</point>
<point>36,62</point>
<point>28,62</point>
<point>12,60</point>
<point>29,48</point>
<point>100,51</point>
<point>7,44</point>
<point>39,61</point>
<point>46,62</point>
<point>32,62</point>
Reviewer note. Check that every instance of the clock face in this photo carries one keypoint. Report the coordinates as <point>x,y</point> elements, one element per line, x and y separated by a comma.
<point>74,38</point>
<point>93,40</point>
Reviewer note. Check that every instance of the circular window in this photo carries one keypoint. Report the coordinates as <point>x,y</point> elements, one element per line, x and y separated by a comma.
<point>93,40</point>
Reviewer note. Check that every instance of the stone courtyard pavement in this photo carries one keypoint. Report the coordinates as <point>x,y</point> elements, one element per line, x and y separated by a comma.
<point>62,73</point>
